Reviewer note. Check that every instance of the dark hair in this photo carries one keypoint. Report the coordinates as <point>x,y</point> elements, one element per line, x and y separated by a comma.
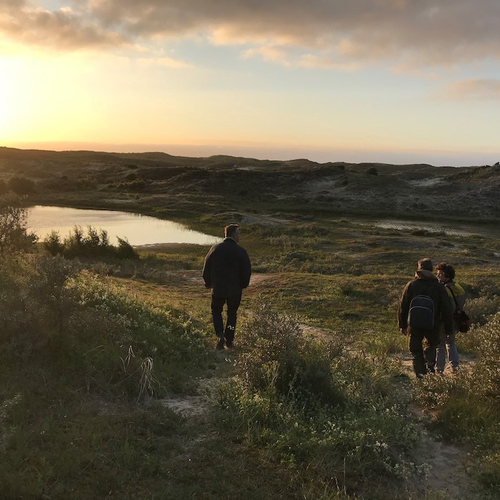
<point>448,270</point>
<point>230,230</point>
<point>425,264</point>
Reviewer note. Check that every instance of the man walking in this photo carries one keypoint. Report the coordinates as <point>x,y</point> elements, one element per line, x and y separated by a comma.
<point>423,306</point>
<point>226,271</point>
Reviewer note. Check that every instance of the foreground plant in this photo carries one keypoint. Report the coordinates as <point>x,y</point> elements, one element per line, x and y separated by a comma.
<point>315,408</point>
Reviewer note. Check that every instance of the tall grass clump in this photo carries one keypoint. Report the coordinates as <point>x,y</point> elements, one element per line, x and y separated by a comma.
<point>85,325</point>
<point>315,408</point>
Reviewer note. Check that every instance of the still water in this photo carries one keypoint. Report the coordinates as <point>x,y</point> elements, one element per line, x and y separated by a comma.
<point>137,229</point>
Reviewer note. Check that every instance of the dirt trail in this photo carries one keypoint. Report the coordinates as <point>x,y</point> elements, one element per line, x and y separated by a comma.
<point>446,464</point>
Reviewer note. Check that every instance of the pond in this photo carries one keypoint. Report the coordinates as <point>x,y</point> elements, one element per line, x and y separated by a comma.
<point>137,229</point>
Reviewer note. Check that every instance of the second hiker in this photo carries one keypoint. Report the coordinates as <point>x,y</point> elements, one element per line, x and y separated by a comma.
<point>447,348</point>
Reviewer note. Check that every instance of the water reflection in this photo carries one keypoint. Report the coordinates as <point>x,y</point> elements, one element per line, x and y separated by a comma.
<point>138,229</point>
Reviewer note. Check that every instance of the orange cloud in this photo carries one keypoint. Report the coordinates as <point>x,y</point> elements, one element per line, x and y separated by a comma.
<point>478,89</point>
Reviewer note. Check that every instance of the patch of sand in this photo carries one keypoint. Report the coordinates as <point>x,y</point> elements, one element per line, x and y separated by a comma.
<point>427,182</point>
<point>187,406</point>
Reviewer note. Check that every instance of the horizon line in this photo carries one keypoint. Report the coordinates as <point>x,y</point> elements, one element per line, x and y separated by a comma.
<point>438,158</point>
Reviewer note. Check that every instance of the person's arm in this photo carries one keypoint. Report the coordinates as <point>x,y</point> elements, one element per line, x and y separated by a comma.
<point>403,310</point>
<point>207,275</point>
<point>245,269</point>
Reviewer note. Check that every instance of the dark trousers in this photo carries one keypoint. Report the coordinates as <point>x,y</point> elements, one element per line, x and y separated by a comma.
<point>423,344</point>
<point>232,307</point>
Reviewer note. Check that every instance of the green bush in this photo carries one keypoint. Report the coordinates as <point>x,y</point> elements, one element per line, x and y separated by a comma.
<point>274,343</point>
<point>52,243</point>
<point>487,369</point>
<point>314,407</point>
<point>481,308</point>
<point>125,250</point>
<point>93,244</point>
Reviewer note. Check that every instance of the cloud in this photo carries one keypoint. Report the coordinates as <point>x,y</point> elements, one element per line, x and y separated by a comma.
<point>167,62</point>
<point>423,32</point>
<point>272,54</point>
<point>480,89</point>
<point>314,61</point>
<point>404,33</point>
<point>63,29</point>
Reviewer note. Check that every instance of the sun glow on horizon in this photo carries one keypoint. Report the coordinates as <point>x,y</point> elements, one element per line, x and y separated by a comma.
<point>111,102</point>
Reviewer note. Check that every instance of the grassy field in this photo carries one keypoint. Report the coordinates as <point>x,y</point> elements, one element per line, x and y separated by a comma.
<point>110,385</point>
<point>313,403</point>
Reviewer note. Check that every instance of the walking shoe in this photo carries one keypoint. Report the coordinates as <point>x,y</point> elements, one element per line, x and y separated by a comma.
<point>229,344</point>
<point>220,344</point>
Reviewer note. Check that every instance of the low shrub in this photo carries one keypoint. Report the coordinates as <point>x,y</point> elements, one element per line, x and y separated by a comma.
<point>481,308</point>
<point>315,407</point>
<point>274,344</point>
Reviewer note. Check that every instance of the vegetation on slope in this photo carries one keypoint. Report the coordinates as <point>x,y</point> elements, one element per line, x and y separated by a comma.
<point>168,186</point>
<point>92,349</point>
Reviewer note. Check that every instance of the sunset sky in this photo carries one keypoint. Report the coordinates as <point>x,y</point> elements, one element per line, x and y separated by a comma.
<point>396,81</point>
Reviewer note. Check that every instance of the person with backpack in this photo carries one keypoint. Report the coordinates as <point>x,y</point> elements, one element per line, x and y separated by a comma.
<point>445,274</point>
<point>423,307</point>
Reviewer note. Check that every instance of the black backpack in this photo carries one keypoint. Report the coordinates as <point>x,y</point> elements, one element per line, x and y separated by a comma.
<point>421,313</point>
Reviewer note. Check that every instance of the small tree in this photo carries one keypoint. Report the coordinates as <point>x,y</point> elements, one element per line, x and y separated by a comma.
<point>74,243</point>
<point>14,235</point>
<point>52,243</point>
<point>92,242</point>
<point>125,250</point>
<point>105,240</point>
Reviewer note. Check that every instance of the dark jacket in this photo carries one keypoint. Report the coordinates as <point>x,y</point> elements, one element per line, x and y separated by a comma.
<point>227,269</point>
<point>425,283</point>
